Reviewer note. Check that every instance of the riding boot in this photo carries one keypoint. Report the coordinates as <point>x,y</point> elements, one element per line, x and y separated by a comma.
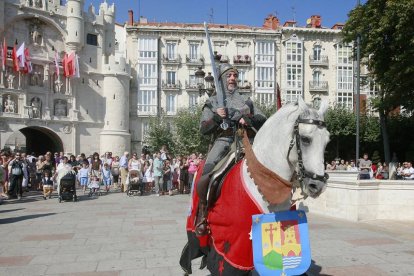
<point>201,220</point>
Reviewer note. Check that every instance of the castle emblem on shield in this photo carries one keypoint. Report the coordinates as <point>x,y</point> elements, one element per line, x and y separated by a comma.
<point>281,243</point>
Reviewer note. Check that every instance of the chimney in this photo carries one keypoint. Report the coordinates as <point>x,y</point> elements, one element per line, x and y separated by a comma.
<point>130,17</point>
<point>316,21</point>
<point>271,22</point>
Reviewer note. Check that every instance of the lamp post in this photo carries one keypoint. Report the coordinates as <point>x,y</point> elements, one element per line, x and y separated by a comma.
<point>205,83</point>
<point>358,84</point>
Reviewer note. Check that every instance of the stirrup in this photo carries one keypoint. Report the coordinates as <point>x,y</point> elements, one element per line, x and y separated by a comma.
<point>201,228</point>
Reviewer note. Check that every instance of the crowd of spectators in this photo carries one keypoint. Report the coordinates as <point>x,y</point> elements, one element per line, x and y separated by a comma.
<point>159,173</point>
<point>370,170</point>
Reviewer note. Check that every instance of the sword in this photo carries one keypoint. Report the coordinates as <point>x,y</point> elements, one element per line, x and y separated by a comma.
<point>219,88</point>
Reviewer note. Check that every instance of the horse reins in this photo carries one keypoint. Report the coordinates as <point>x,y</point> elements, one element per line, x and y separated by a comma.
<point>302,173</point>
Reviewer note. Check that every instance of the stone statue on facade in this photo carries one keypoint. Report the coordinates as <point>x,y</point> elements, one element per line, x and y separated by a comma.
<point>60,108</point>
<point>58,85</point>
<point>9,105</point>
<point>38,3</point>
<point>10,81</point>
<point>36,107</point>
<point>36,36</point>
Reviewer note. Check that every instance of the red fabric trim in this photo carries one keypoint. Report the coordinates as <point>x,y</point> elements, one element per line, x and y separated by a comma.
<point>249,194</point>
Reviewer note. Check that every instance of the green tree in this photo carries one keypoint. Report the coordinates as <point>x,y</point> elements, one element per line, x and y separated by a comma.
<point>386,28</point>
<point>187,136</point>
<point>159,134</point>
<point>267,109</point>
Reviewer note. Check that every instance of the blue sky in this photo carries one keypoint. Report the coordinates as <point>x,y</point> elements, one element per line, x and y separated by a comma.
<point>246,12</point>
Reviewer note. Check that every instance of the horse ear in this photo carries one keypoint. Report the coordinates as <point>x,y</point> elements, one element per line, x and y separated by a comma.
<point>302,104</point>
<point>323,108</point>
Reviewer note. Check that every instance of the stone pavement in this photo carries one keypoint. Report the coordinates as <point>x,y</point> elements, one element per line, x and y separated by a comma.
<point>120,235</point>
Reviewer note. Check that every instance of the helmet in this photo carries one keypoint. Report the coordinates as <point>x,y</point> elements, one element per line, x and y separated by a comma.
<point>224,68</point>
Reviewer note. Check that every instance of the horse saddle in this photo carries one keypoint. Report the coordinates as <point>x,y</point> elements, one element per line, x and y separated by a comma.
<point>218,173</point>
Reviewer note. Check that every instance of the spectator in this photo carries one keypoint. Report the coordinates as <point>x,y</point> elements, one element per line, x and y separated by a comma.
<point>183,185</point>
<point>106,177</point>
<point>167,178</point>
<point>164,153</point>
<point>341,166</point>
<point>123,166</point>
<point>39,172</point>
<point>115,171</point>
<point>47,182</point>
<point>331,167</point>
<point>365,167</point>
<point>83,176</point>
<point>352,167</point>
<point>408,171</point>
<point>16,177</point>
<point>192,168</point>
<point>378,174</point>
<point>147,178</point>
<point>158,173</point>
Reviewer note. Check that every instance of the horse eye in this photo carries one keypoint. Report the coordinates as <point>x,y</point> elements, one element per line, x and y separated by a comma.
<point>306,140</point>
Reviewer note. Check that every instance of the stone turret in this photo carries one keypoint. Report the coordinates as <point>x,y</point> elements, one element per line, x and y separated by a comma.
<point>75,25</point>
<point>108,13</point>
<point>115,136</point>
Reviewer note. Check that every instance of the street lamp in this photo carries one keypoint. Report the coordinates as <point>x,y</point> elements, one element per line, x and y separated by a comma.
<point>208,87</point>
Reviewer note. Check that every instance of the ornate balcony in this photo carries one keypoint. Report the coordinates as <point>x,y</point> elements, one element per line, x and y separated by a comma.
<point>244,87</point>
<point>240,60</point>
<point>321,61</point>
<point>171,61</point>
<point>194,62</point>
<point>191,86</point>
<point>318,86</point>
<point>171,86</point>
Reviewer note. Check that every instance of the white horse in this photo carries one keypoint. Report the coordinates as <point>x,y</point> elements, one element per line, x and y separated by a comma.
<point>287,158</point>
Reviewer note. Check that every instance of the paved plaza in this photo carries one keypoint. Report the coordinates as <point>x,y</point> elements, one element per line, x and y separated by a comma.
<point>119,235</point>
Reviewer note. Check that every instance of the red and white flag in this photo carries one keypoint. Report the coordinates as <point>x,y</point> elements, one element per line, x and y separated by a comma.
<point>69,65</point>
<point>28,64</point>
<point>14,59</point>
<point>21,56</point>
<point>57,63</point>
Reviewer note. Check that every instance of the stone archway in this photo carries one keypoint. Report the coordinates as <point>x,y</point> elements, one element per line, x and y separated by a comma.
<point>40,140</point>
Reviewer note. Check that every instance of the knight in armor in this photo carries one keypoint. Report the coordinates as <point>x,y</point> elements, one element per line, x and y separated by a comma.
<point>238,110</point>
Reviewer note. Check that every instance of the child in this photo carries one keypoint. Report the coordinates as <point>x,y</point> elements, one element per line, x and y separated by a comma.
<point>47,185</point>
<point>106,177</point>
<point>94,185</point>
<point>83,176</point>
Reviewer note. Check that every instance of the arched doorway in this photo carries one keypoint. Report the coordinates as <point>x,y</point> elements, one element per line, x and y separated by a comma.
<point>38,140</point>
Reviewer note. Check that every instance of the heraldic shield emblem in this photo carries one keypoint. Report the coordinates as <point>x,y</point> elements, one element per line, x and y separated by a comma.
<point>281,243</point>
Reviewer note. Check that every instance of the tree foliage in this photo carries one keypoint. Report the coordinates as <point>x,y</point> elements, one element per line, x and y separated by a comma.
<point>386,28</point>
<point>187,136</point>
<point>340,122</point>
<point>159,134</point>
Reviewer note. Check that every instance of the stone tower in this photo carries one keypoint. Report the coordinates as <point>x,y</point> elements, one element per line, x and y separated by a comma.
<point>115,136</point>
<point>108,12</point>
<point>75,25</point>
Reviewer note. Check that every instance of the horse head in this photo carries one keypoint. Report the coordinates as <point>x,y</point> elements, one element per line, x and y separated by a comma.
<point>292,142</point>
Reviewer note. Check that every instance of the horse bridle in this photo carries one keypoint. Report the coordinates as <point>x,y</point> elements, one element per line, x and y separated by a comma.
<point>303,173</point>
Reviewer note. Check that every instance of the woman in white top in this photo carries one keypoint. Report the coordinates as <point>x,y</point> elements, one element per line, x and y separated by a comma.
<point>134,164</point>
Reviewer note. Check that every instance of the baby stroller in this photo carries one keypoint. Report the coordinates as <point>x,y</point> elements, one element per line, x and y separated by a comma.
<point>94,187</point>
<point>67,187</point>
<point>134,185</point>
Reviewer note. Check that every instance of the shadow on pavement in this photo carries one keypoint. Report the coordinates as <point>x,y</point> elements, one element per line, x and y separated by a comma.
<point>11,210</point>
<point>17,219</point>
<point>315,270</point>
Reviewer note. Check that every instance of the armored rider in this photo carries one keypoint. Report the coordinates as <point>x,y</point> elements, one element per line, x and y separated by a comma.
<point>237,110</point>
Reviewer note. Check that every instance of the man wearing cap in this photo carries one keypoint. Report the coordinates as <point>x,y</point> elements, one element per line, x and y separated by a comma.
<point>238,110</point>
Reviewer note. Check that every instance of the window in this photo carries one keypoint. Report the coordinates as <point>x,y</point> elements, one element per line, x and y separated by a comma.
<point>266,98</point>
<point>193,100</point>
<point>147,101</point>
<point>345,99</point>
<point>344,54</point>
<point>145,129</point>
<point>344,78</point>
<point>265,51</point>
<point>92,39</point>
<point>294,51</point>
<point>265,77</point>
<point>317,49</point>
<point>147,74</point>
<point>316,76</point>
<point>171,107</point>
<point>294,75</point>
<point>242,78</point>
<point>292,95</point>
<point>171,51</point>
<point>171,77</point>
<point>148,48</point>
<point>194,51</point>
<point>192,81</point>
